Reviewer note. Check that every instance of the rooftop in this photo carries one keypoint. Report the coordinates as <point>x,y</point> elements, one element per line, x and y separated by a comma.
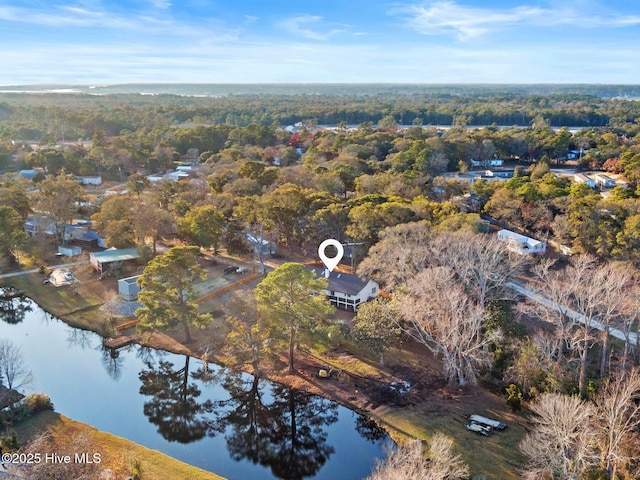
<point>116,255</point>
<point>342,282</point>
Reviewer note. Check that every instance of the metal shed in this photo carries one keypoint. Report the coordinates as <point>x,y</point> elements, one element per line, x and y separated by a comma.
<point>102,260</point>
<point>128,288</point>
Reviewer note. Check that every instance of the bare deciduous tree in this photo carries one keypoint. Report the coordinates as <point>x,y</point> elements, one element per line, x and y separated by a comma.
<point>631,324</point>
<point>618,419</point>
<point>13,369</point>
<point>560,444</point>
<point>448,280</point>
<point>480,262</point>
<point>401,253</point>
<point>441,316</point>
<point>586,293</point>
<point>552,286</point>
<point>409,462</point>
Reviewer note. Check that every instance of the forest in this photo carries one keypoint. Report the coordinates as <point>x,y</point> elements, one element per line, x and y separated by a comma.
<point>388,177</point>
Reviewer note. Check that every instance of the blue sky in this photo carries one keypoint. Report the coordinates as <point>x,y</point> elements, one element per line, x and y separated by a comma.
<point>324,41</point>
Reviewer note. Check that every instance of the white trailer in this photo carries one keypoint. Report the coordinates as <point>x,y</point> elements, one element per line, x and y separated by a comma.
<point>488,421</point>
<point>69,251</point>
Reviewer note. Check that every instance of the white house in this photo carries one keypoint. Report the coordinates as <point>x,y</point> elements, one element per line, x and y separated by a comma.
<point>36,224</point>
<point>492,162</point>
<point>582,178</point>
<point>90,180</point>
<point>604,181</point>
<point>348,291</point>
<point>499,173</point>
<point>522,244</point>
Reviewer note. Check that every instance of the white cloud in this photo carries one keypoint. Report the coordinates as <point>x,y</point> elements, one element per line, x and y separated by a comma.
<point>280,61</point>
<point>138,23</point>
<point>250,19</point>
<point>300,25</point>
<point>161,4</point>
<point>465,22</point>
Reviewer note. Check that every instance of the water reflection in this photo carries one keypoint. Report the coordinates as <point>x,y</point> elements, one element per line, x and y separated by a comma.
<point>13,306</point>
<point>248,428</point>
<point>83,339</point>
<point>113,364</point>
<point>299,442</point>
<point>369,429</point>
<point>174,407</point>
<point>275,426</point>
<point>286,434</point>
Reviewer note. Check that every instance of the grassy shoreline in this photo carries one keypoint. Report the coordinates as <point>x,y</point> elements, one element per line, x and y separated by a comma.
<point>438,410</point>
<point>83,311</point>
<point>116,453</point>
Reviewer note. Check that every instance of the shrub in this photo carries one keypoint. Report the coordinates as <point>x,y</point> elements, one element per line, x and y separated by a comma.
<point>514,397</point>
<point>9,443</point>
<point>38,402</point>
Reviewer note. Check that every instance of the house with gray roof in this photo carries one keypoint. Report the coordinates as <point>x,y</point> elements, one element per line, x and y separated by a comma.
<point>346,290</point>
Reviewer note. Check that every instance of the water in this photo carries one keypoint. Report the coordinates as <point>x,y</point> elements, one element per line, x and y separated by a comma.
<point>232,425</point>
<point>626,92</point>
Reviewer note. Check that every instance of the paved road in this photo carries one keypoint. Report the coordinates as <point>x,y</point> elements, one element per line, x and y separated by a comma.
<point>34,270</point>
<point>575,316</point>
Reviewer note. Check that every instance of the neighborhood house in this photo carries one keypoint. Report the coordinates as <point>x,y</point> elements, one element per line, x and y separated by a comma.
<point>90,180</point>
<point>604,181</point>
<point>582,178</point>
<point>346,290</point>
<point>521,244</point>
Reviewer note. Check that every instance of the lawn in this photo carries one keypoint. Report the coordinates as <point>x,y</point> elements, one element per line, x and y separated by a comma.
<point>432,407</point>
<point>80,310</point>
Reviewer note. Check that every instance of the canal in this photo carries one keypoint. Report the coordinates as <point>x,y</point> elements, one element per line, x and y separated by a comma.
<point>231,424</point>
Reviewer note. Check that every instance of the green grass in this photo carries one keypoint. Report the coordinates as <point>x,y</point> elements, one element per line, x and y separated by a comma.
<point>82,310</point>
<point>496,457</point>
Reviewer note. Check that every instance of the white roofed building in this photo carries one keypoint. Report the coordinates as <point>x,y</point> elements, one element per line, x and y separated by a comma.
<point>522,244</point>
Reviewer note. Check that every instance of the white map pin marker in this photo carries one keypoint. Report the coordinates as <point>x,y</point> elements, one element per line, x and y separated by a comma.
<point>330,263</point>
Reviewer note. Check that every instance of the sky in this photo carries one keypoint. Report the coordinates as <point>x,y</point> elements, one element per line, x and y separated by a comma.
<point>320,41</point>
